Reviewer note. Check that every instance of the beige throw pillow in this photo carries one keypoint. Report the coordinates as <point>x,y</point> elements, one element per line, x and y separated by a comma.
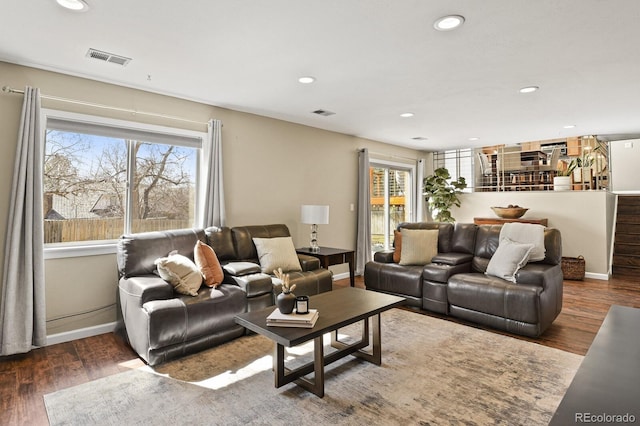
<point>419,246</point>
<point>278,252</point>
<point>181,273</point>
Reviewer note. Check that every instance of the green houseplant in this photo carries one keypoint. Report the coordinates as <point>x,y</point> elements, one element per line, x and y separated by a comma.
<point>441,193</point>
<point>570,168</point>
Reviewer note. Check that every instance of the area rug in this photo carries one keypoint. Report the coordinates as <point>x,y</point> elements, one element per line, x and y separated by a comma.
<point>433,372</point>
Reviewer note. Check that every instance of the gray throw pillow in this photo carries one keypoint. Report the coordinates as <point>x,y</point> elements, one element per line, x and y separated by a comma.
<point>508,259</point>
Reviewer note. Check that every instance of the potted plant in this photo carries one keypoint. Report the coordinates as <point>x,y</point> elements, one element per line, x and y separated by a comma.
<point>286,300</point>
<point>562,180</point>
<point>441,193</point>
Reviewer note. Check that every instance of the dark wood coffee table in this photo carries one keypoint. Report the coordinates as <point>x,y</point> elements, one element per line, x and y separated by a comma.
<point>336,309</point>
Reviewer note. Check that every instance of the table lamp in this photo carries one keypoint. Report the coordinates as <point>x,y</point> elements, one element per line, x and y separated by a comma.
<point>314,216</point>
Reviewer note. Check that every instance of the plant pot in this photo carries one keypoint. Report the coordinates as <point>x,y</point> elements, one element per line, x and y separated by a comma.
<point>562,183</point>
<point>286,302</point>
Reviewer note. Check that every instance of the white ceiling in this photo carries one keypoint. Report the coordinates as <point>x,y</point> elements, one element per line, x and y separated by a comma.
<point>373,60</point>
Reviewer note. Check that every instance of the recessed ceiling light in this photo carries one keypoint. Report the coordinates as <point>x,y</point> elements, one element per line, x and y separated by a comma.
<point>407,114</point>
<point>419,138</point>
<point>448,23</point>
<point>306,79</point>
<point>569,126</point>
<point>75,5</point>
<point>474,138</point>
<point>529,89</point>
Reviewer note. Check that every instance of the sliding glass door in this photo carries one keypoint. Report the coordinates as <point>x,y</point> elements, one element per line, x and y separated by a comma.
<point>392,200</point>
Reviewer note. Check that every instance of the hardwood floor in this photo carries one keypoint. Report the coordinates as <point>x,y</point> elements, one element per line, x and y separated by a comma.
<point>24,379</point>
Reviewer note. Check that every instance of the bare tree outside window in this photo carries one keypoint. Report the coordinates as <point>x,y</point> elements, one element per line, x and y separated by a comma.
<point>85,181</point>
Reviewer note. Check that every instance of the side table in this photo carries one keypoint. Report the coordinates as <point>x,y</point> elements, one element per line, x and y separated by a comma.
<point>333,256</point>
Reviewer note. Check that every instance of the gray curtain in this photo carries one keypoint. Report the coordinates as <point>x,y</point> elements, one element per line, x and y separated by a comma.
<point>214,209</point>
<point>363,243</point>
<point>421,207</point>
<point>22,308</point>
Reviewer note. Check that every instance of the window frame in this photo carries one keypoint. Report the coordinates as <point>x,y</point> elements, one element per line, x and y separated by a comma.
<point>105,247</point>
<point>414,195</point>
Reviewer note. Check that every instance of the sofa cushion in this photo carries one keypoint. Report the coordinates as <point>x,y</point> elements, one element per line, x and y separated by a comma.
<point>208,264</point>
<point>136,253</point>
<point>221,240</point>
<point>419,246</point>
<point>495,296</point>
<point>243,238</point>
<point>508,259</point>
<point>183,319</point>
<point>275,253</point>
<point>445,232</point>
<point>181,273</point>
<point>255,284</point>
<point>239,269</point>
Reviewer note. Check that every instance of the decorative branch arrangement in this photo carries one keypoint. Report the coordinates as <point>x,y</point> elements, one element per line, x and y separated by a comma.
<point>286,287</point>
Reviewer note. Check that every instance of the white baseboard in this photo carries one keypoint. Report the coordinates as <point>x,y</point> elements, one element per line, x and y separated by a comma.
<point>81,333</point>
<point>595,276</point>
<point>342,276</point>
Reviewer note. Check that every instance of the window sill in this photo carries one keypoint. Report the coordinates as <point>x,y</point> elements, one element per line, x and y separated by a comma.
<point>63,251</point>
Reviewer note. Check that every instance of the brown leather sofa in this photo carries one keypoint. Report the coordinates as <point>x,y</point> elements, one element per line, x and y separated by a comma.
<point>455,283</point>
<point>161,325</point>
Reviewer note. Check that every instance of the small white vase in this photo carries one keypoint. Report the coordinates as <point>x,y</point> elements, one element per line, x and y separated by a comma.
<point>562,183</point>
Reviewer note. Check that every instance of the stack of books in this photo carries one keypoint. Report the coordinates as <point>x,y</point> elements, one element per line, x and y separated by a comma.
<point>278,319</point>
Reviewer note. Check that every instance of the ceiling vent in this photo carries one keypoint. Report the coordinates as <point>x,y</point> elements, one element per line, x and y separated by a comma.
<point>108,57</point>
<point>323,112</point>
<point>419,138</point>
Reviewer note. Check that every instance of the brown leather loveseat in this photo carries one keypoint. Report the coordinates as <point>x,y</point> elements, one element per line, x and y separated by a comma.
<point>161,324</point>
<point>455,283</point>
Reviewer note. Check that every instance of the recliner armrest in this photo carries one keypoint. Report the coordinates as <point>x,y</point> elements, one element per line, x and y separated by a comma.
<point>308,263</point>
<point>538,274</point>
<point>145,288</point>
<point>383,256</point>
<point>452,258</point>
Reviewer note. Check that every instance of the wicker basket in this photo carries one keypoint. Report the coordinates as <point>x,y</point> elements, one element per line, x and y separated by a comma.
<point>573,268</point>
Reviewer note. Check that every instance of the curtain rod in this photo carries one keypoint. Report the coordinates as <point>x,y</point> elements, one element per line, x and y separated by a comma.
<point>8,89</point>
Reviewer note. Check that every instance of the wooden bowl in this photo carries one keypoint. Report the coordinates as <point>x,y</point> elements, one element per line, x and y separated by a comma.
<point>509,212</point>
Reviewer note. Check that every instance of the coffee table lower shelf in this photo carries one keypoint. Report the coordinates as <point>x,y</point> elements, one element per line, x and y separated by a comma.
<point>337,309</point>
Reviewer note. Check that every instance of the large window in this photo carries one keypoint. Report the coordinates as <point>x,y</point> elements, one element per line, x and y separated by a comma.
<point>103,178</point>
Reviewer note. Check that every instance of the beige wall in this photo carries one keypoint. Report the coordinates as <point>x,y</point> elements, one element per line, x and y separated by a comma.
<point>271,168</point>
<point>585,219</point>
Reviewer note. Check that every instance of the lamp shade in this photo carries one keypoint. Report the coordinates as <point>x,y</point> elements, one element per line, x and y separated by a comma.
<point>314,215</point>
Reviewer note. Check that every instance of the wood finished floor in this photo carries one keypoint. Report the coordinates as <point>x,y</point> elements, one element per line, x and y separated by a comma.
<point>25,379</point>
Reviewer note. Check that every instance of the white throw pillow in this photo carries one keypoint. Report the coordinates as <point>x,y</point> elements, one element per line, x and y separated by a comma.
<point>526,233</point>
<point>278,252</point>
<point>419,246</point>
<point>508,259</point>
<point>181,273</point>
